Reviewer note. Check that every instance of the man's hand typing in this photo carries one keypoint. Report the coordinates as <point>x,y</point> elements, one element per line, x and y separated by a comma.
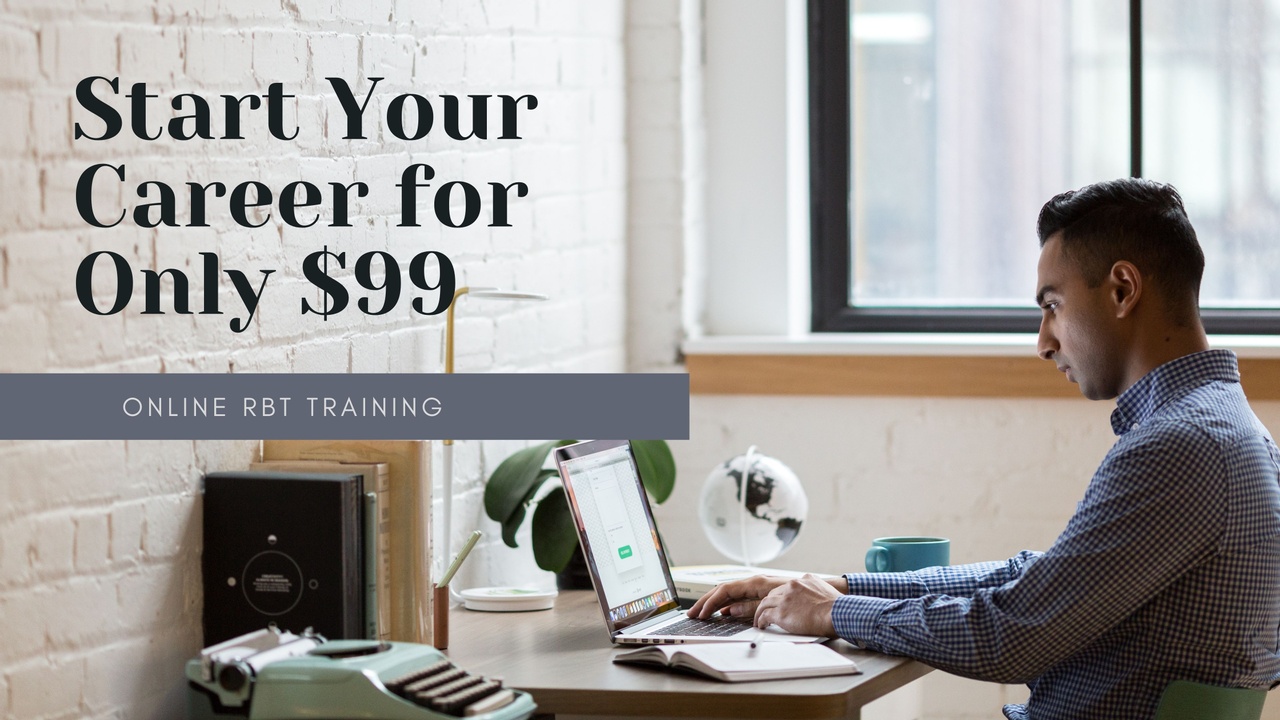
<point>801,606</point>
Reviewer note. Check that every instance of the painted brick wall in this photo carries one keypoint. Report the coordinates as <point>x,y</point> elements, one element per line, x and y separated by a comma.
<point>100,594</point>
<point>667,176</point>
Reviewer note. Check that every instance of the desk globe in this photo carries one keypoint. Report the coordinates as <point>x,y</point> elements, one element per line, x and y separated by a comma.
<point>767,523</point>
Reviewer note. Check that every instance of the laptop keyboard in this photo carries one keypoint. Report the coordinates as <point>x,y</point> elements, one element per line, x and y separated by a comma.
<point>718,626</point>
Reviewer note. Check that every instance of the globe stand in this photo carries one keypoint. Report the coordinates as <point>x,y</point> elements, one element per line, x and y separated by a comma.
<point>749,460</point>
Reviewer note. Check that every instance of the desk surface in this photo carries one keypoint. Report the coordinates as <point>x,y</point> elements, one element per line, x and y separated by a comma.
<point>563,657</point>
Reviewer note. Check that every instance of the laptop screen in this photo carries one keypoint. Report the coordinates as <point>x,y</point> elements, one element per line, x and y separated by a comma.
<point>616,528</point>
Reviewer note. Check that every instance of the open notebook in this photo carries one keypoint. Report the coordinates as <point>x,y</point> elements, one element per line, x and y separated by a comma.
<point>741,662</point>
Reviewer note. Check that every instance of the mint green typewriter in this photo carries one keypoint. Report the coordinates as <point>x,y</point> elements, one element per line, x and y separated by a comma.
<point>274,675</point>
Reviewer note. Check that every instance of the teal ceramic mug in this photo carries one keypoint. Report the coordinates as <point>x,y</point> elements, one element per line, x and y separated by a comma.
<point>899,554</point>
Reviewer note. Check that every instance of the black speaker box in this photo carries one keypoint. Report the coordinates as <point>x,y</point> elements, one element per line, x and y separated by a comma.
<point>283,549</point>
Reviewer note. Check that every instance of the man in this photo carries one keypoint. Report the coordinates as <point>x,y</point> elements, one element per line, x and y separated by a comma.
<point>1170,567</point>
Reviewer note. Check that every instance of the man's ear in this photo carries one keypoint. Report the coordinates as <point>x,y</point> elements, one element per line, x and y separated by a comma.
<point>1126,287</point>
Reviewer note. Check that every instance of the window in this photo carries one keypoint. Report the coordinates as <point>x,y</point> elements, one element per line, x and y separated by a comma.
<point>938,129</point>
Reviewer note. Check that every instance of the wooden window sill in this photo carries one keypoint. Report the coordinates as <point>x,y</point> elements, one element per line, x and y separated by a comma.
<point>970,368</point>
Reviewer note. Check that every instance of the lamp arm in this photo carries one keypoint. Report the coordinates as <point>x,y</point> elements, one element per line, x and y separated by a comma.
<point>446,487</point>
<point>446,482</point>
<point>448,329</point>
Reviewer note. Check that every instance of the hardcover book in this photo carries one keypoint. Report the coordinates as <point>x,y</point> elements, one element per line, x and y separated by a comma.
<point>283,549</point>
<point>376,481</point>
<point>408,517</point>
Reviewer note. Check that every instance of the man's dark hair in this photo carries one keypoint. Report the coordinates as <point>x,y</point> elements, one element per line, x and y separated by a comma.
<point>1132,219</point>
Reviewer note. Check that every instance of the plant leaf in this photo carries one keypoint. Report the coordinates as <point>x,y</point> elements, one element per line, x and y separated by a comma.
<point>553,535</point>
<point>508,488</point>
<point>511,525</point>
<point>657,467</point>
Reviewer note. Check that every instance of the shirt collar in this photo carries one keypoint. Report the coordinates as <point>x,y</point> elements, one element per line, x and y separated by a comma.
<point>1171,380</point>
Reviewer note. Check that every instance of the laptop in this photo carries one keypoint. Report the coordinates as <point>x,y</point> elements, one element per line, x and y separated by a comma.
<point>625,558</point>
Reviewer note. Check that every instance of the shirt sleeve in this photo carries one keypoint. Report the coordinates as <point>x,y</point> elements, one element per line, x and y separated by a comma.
<point>1153,511</point>
<point>958,580</point>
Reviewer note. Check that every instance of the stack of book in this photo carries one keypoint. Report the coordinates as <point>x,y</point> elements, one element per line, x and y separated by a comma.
<point>398,473</point>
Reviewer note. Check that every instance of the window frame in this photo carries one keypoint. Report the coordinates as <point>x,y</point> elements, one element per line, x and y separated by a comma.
<point>829,171</point>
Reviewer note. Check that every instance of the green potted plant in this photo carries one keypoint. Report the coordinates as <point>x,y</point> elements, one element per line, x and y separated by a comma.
<point>515,483</point>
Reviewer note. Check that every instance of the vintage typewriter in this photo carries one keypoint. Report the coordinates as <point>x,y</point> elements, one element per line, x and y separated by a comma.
<point>274,675</point>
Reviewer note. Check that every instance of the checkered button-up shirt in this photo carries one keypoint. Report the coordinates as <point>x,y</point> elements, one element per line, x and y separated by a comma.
<point>1169,569</point>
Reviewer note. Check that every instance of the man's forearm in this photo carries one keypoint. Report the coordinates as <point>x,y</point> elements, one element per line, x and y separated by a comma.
<point>953,580</point>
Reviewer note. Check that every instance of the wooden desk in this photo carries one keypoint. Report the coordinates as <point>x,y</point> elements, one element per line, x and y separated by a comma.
<point>563,657</point>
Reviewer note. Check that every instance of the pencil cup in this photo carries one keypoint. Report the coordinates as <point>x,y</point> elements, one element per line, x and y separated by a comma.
<point>440,624</point>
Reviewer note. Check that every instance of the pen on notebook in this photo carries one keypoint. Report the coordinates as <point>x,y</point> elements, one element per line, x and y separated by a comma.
<point>457,559</point>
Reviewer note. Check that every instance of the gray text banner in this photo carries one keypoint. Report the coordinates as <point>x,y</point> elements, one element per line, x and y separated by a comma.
<point>343,406</point>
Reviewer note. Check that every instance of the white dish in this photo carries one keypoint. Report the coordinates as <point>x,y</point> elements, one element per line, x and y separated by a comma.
<point>508,599</point>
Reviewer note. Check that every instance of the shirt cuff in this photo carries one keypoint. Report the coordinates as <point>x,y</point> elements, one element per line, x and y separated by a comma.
<point>899,585</point>
<point>856,618</point>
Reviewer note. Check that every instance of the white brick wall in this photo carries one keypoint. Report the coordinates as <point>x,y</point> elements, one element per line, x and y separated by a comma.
<point>667,168</point>
<point>100,595</point>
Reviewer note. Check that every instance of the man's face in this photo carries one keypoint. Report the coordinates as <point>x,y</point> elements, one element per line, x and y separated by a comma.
<point>1078,325</point>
